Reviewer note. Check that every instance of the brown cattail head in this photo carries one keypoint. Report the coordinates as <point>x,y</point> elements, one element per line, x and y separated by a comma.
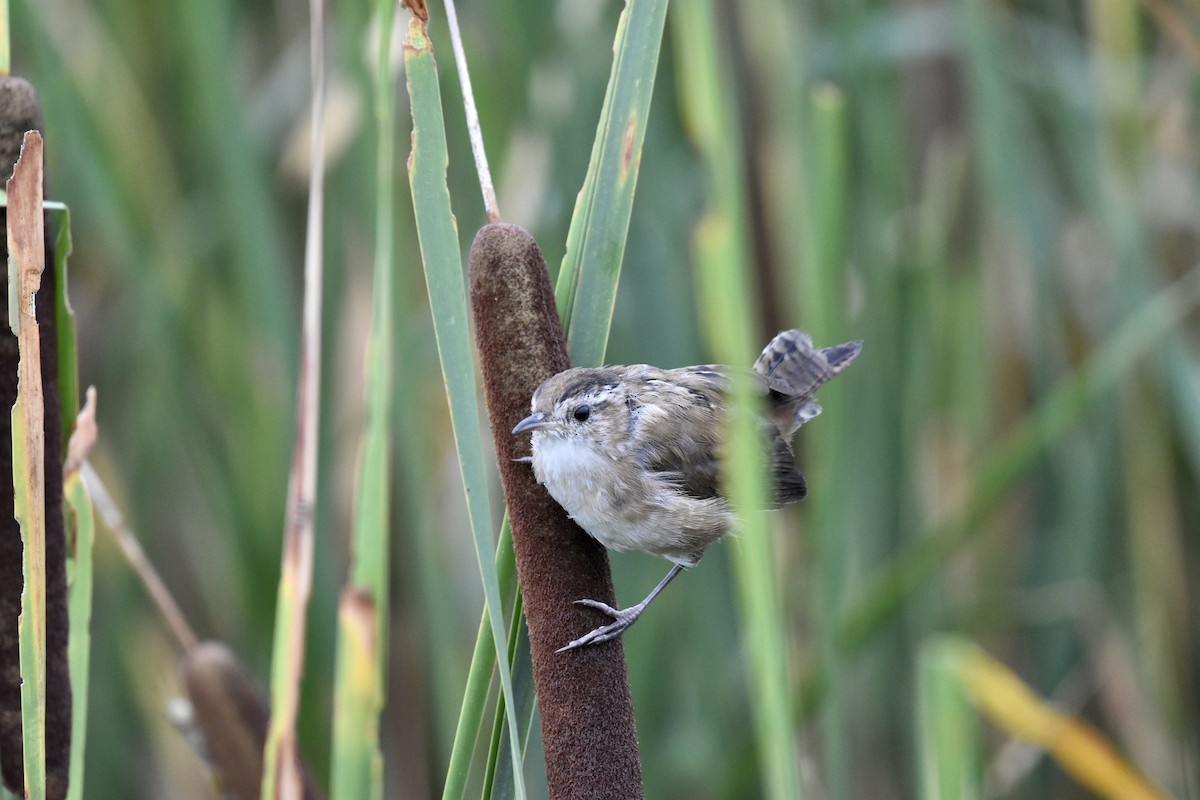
<point>588,730</point>
<point>232,716</point>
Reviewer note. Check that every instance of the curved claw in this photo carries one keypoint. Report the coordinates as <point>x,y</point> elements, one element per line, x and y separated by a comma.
<point>623,619</point>
<point>605,607</point>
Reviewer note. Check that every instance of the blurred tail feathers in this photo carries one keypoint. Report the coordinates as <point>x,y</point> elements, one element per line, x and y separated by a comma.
<point>794,369</point>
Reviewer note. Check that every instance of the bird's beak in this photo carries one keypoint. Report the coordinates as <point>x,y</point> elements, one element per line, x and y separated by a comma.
<point>532,423</point>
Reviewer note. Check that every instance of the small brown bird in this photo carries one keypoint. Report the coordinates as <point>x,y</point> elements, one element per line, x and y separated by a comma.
<point>633,453</point>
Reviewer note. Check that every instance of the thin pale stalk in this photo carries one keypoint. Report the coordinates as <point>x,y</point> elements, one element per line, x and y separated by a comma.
<point>490,204</point>
<point>114,520</point>
<point>281,771</point>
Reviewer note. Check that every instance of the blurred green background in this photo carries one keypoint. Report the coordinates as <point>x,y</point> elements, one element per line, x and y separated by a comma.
<point>988,194</point>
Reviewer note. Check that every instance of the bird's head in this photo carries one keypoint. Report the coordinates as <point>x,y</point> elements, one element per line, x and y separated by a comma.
<point>577,404</point>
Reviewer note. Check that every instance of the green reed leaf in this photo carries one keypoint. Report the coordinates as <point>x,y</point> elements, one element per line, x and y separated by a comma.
<point>438,236</point>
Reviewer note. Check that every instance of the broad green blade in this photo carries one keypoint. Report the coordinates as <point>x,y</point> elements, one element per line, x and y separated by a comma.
<point>442,260</point>
<point>591,267</point>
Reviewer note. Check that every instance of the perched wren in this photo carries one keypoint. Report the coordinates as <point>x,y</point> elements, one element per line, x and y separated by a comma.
<point>633,453</point>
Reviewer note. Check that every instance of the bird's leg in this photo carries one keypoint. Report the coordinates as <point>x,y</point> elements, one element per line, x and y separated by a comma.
<point>624,618</point>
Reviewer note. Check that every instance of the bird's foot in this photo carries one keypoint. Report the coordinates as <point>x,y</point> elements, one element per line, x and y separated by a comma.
<point>624,618</point>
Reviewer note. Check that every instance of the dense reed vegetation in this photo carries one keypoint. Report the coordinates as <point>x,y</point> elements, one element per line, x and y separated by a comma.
<point>1001,200</point>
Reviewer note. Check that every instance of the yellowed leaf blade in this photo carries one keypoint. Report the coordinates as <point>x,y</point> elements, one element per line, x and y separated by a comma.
<point>1079,748</point>
<point>27,259</point>
<point>359,693</point>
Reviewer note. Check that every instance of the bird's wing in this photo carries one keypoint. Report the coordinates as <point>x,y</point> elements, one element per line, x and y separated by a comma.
<point>676,421</point>
<point>679,430</point>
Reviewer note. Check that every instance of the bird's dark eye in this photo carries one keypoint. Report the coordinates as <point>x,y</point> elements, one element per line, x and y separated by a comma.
<point>582,413</point>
